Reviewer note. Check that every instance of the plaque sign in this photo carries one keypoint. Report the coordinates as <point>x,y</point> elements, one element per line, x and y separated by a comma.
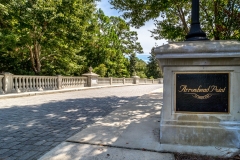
<point>202,92</point>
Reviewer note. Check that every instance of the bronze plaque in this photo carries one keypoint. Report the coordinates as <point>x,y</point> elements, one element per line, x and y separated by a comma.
<point>202,92</point>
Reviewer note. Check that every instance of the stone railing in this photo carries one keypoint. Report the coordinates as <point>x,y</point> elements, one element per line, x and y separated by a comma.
<point>22,83</point>
<point>72,82</point>
<point>104,81</point>
<point>10,83</point>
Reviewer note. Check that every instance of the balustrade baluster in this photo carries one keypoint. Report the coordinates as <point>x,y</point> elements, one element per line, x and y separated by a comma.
<point>20,83</point>
<point>65,82</point>
<point>48,83</point>
<point>62,82</point>
<point>17,84</point>
<point>53,80</point>
<point>30,83</point>
<point>68,82</point>
<point>42,83</point>
<point>52,83</point>
<point>23,84</point>
<point>55,83</point>
<point>37,83</point>
<point>1,85</point>
<point>26,84</point>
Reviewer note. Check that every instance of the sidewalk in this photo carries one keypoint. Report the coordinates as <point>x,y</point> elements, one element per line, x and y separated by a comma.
<point>130,132</point>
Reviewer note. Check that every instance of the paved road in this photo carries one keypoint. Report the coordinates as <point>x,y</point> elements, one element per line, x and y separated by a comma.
<point>31,126</point>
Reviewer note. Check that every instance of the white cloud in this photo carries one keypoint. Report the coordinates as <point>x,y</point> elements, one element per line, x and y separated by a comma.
<point>144,37</point>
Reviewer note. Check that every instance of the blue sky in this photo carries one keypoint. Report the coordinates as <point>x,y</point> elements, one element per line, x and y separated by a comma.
<point>144,36</point>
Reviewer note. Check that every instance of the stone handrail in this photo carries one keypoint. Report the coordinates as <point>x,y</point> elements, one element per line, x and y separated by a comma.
<point>118,81</point>
<point>73,82</point>
<point>33,83</point>
<point>10,83</point>
<point>142,80</point>
<point>128,80</point>
<point>104,81</point>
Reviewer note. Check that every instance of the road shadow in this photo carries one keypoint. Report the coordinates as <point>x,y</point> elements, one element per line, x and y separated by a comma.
<point>27,132</point>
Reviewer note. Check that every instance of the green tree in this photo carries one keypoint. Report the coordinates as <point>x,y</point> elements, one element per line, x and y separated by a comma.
<point>112,42</point>
<point>48,34</point>
<point>219,18</point>
<point>141,67</point>
<point>132,65</point>
<point>153,69</point>
<point>63,37</point>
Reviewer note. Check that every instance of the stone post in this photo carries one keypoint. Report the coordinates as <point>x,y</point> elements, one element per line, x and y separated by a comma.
<point>160,80</point>
<point>136,79</point>
<point>111,80</point>
<point>92,78</point>
<point>59,82</point>
<point>123,80</point>
<point>7,82</point>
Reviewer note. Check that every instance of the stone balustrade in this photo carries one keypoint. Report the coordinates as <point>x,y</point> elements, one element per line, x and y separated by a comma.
<point>10,83</point>
<point>33,83</point>
<point>117,81</point>
<point>73,82</point>
<point>103,81</point>
<point>128,81</point>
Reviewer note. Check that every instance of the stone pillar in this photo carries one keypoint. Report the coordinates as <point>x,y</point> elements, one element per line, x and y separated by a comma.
<point>201,104</point>
<point>160,80</point>
<point>136,79</point>
<point>92,78</point>
<point>59,82</point>
<point>111,80</point>
<point>7,82</point>
<point>123,80</point>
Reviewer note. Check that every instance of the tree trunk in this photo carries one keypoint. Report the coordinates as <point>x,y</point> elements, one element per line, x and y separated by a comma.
<point>182,17</point>
<point>35,53</point>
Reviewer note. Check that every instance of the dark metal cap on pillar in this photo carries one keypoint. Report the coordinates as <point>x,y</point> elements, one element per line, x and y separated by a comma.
<point>196,33</point>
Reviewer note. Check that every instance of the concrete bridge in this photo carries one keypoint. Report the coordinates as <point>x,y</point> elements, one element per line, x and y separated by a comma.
<point>33,125</point>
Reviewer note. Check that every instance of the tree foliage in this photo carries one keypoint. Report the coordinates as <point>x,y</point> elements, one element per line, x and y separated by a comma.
<point>47,34</point>
<point>153,70</point>
<point>63,37</point>
<point>220,19</point>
